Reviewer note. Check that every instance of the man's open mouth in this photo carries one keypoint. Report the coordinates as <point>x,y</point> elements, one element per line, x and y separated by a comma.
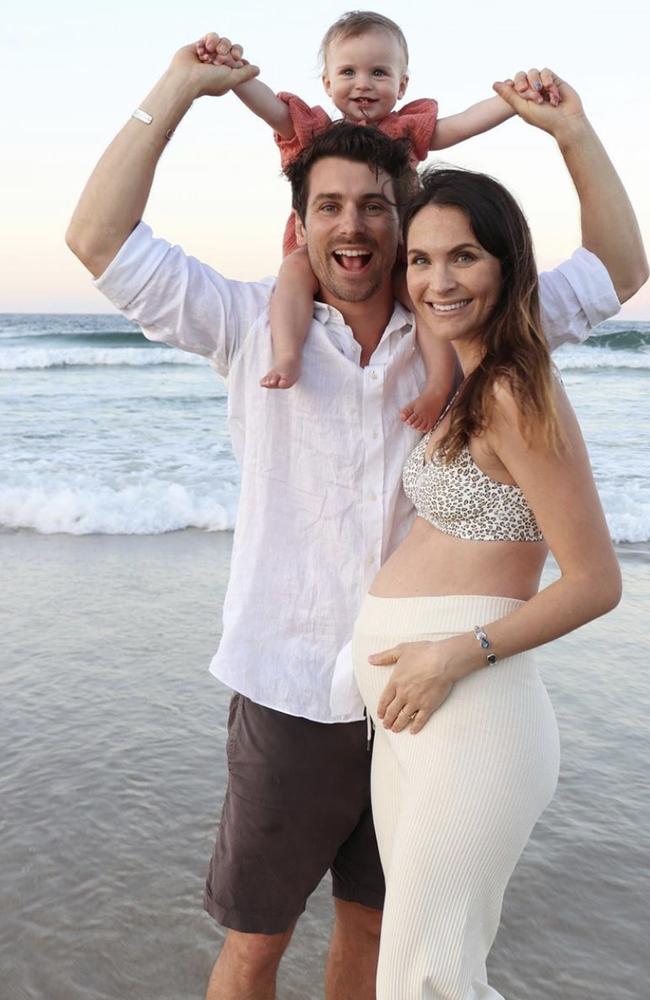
<point>352,260</point>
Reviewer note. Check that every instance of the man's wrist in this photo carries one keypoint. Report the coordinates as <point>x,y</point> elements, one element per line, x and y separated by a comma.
<point>185,87</point>
<point>167,104</point>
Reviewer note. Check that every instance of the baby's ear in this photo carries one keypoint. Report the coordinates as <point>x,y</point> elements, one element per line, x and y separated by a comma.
<point>327,84</point>
<point>403,84</point>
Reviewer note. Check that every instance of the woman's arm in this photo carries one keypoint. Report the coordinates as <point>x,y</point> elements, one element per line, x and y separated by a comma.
<point>259,98</point>
<point>479,118</point>
<point>561,492</point>
<point>609,226</point>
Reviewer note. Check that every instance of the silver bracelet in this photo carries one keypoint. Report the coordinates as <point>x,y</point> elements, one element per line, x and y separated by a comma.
<point>146,119</point>
<point>481,636</point>
<point>142,116</point>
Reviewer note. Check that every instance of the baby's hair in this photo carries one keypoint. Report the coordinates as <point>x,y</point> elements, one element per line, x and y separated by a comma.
<point>359,22</point>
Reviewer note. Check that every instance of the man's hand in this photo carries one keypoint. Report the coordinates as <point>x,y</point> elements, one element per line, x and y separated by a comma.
<point>213,79</point>
<point>115,197</point>
<point>542,100</point>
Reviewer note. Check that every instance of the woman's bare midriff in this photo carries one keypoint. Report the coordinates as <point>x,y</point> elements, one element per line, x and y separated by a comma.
<point>429,563</point>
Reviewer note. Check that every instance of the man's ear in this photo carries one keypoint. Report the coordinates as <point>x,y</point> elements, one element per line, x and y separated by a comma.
<point>301,235</point>
<point>403,84</point>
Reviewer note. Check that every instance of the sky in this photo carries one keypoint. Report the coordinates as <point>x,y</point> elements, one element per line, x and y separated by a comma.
<point>72,72</point>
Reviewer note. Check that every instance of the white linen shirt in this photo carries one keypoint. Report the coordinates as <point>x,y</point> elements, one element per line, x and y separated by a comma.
<point>321,505</point>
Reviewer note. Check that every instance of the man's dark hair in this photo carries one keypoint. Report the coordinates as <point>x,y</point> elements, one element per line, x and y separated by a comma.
<point>361,144</point>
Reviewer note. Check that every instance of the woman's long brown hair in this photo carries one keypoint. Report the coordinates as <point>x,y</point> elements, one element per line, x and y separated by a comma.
<point>515,349</point>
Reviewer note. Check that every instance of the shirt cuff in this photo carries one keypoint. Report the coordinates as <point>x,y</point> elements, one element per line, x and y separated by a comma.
<point>592,286</point>
<point>132,267</point>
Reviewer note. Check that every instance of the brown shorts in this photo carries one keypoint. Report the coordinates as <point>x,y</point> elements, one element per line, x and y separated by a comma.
<point>297,804</point>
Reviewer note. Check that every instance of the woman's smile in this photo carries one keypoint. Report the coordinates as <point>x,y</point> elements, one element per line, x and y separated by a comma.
<point>447,308</point>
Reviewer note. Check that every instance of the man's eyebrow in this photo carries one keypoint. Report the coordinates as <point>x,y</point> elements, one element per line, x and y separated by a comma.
<point>338,196</point>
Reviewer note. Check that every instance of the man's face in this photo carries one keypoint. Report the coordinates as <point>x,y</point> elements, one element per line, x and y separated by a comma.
<point>351,229</point>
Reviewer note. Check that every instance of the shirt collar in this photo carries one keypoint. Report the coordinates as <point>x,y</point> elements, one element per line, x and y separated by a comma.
<point>400,324</point>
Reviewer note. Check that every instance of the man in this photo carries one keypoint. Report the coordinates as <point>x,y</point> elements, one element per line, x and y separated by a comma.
<point>320,503</point>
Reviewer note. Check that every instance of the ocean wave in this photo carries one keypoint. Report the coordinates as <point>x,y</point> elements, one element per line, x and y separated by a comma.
<point>596,358</point>
<point>17,359</point>
<point>156,507</point>
<point>571,358</point>
<point>89,338</point>
<point>151,508</point>
<point>621,336</point>
<point>627,509</point>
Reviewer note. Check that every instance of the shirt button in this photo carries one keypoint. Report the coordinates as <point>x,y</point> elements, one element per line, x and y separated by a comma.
<point>372,497</point>
<point>373,375</point>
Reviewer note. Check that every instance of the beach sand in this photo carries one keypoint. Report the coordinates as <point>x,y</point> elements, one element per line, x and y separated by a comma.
<point>112,741</point>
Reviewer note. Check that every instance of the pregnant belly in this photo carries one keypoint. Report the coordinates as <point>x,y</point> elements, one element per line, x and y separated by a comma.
<point>430,563</point>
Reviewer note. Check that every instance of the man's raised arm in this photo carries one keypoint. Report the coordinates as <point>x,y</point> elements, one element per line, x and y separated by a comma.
<point>115,196</point>
<point>609,226</point>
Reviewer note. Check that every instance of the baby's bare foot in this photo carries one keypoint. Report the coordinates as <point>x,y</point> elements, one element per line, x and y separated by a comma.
<point>423,411</point>
<point>283,375</point>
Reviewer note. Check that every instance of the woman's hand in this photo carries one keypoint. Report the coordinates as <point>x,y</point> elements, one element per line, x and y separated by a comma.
<point>539,86</point>
<point>542,99</point>
<point>419,683</point>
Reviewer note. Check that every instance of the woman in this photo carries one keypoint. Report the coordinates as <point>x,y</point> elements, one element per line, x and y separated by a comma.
<point>466,746</point>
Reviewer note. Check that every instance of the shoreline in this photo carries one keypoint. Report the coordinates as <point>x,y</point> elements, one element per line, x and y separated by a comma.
<point>641,548</point>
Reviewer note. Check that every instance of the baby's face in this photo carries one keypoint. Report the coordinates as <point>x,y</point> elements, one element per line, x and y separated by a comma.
<point>365,76</point>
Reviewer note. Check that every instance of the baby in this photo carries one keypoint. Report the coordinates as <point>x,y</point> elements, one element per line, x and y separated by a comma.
<point>364,57</point>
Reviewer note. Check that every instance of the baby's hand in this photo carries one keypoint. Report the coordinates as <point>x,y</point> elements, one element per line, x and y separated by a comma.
<point>538,87</point>
<point>212,48</point>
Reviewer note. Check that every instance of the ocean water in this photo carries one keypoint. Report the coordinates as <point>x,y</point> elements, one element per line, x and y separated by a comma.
<point>102,432</point>
<point>112,731</point>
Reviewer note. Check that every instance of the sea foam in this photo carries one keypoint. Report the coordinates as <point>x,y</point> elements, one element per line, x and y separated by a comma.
<point>151,508</point>
<point>590,359</point>
<point>155,507</point>
<point>15,359</point>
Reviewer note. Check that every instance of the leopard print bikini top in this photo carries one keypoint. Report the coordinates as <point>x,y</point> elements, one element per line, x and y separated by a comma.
<point>460,500</point>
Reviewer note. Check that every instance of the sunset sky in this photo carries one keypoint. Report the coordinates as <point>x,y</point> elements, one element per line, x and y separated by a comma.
<point>76,71</point>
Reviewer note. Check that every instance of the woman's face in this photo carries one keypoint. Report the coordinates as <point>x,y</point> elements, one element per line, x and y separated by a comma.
<point>453,281</point>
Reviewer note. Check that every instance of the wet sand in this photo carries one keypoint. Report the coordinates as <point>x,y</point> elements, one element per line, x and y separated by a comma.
<point>112,735</point>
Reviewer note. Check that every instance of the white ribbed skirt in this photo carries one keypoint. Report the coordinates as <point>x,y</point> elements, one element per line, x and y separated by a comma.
<point>454,804</point>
